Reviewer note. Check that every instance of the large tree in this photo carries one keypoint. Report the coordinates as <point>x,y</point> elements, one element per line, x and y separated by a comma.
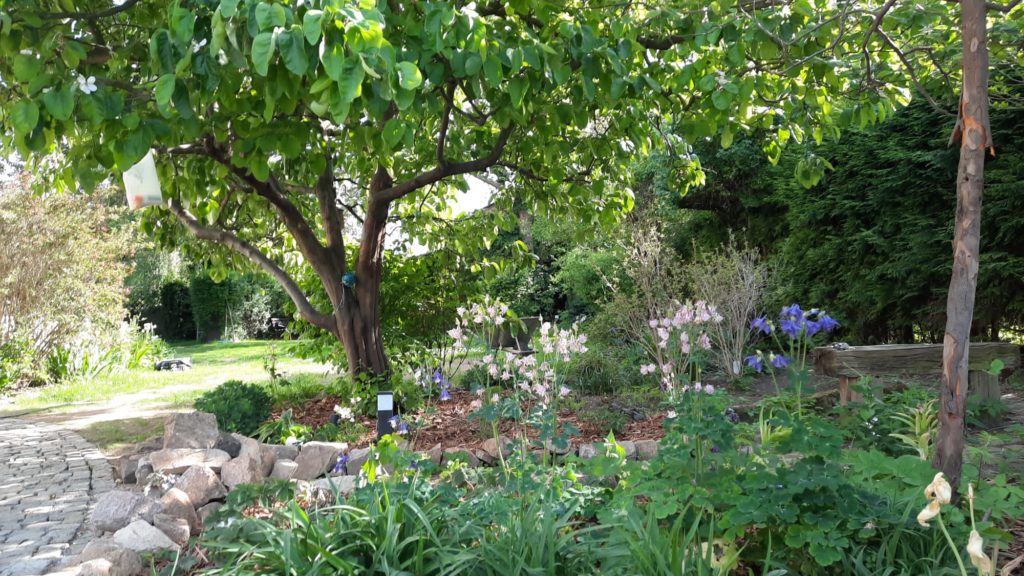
<point>267,116</point>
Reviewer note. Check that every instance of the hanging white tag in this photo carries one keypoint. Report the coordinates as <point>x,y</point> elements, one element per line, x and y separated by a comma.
<point>142,185</point>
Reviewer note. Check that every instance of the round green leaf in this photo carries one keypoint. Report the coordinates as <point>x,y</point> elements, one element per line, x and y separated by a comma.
<point>409,76</point>
<point>262,52</point>
<point>293,51</point>
<point>25,116</point>
<point>164,89</point>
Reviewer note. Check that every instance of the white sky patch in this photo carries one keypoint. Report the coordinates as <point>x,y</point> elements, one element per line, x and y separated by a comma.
<point>478,197</point>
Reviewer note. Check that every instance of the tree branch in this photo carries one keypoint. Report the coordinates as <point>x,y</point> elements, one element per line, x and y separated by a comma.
<point>913,76</point>
<point>89,15</point>
<point>445,120</point>
<point>422,179</point>
<point>327,197</point>
<point>1004,8</point>
<point>306,310</point>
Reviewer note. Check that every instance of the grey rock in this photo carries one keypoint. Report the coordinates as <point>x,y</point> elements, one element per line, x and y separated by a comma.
<point>142,470</point>
<point>97,567</point>
<point>356,459</point>
<point>116,509</point>
<point>558,450</point>
<point>141,536</point>
<point>250,449</point>
<point>190,430</point>
<point>646,449</point>
<point>177,460</point>
<point>498,448</point>
<point>205,511</point>
<point>268,457</point>
<point>229,444</point>
<point>630,447</point>
<point>284,452</point>
<point>344,485</point>
<point>125,468</point>
<point>484,457</point>
<point>241,470</point>
<point>123,561</point>
<point>316,458</point>
<point>453,454</point>
<point>201,484</point>
<point>177,504</point>
<point>588,451</point>
<point>284,469</point>
<point>177,529</point>
<point>435,453</point>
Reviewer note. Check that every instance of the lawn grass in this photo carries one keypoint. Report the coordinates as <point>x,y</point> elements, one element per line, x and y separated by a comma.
<point>111,436</point>
<point>212,364</point>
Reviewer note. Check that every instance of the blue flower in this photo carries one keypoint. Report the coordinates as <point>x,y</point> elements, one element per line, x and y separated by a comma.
<point>445,395</point>
<point>791,328</point>
<point>791,312</point>
<point>732,415</point>
<point>761,324</point>
<point>394,420</point>
<point>813,327</point>
<point>828,323</point>
<point>403,428</point>
<point>779,361</point>
<point>439,379</point>
<point>339,466</point>
<point>755,361</point>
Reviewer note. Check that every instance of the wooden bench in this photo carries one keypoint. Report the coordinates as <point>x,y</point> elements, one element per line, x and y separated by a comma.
<point>851,363</point>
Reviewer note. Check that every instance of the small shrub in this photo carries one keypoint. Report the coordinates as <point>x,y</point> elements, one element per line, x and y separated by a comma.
<point>607,419</point>
<point>605,369</point>
<point>239,407</point>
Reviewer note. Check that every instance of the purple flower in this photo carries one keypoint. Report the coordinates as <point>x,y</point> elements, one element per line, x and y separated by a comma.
<point>403,428</point>
<point>755,361</point>
<point>791,312</point>
<point>393,421</point>
<point>761,324</point>
<point>791,328</point>
<point>779,361</point>
<point>439,378</point>
<point>714,449</point>
<point>828,323</point>
<point>813,327</point>
<point>445,395</point>
<point>732,415</point>
<point>709,389</point>
<point>339,466</point>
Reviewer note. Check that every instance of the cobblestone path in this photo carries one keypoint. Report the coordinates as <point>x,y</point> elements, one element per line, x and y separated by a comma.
<point>49,480</point>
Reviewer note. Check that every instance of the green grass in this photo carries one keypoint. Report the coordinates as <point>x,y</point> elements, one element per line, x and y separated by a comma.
<point>110,436</point>
<point>212,364</point>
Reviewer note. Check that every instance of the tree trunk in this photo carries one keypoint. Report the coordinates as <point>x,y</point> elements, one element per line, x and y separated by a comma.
<point>973,131</point>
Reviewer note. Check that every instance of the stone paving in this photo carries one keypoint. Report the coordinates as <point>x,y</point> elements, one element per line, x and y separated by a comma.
<point>49,480</point>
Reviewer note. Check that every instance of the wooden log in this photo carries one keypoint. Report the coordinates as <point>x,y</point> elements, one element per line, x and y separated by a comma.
<point>984,385</point>
<point>906,359</point>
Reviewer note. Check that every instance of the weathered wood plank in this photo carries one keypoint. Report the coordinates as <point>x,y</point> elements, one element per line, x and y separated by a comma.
<point>906,359</point>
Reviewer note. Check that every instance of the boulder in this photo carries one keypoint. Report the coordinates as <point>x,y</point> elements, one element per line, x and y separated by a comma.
<point>630,447</point>
<point>589,450</point>
<point>268,457</point>
<point>143,469</point>
<point>190,430</point>
<point>646,449</point>
<point>264,457</point>
<point>177,460</point>
<point>121,561</point>
<point>228,443</point>
<point>177,529</point>
<point>201,484</point>
<point>317,458</point>
<point>141,536</point>
<point>241,470</point>
<point>434,453</point>
<point>176,503</point>
<point>558,449</point>
<point>205,511</point>
<point>344,485</point>
<point>116,509</point>
<point>124,469</point>
<point>460,454</point>
<point>484,457</point>
<point>284,451</point>
<point>284,469</point>
<point>97,567</point>
<point>498,448</point>
<point>356,459</point>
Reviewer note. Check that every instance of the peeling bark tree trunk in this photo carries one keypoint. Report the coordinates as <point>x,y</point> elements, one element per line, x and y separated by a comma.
<point>972,129</point>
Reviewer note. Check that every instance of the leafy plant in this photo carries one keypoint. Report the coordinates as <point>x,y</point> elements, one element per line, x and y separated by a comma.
<point>920,425</point>
<point>284,430</point>
<point>239,407</point>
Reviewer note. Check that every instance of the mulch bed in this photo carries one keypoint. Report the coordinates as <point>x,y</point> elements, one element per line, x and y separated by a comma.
<point>449,424</point>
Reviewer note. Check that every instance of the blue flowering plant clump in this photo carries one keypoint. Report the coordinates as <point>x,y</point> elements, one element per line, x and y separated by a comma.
<point>795,334</point>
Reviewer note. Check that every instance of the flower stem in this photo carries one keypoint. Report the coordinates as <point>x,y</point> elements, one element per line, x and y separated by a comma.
<point>952,546</point>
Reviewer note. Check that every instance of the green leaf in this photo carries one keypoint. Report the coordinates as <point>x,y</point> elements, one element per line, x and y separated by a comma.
<point>269,16</point>
<point>293,51</point>
<point>727,137</point>
<point>262,52</point>
<point>721,99</point>
<point>311,25</point>
<point>332,56</point>
<point>492,71</point>
<point>24,117</point>
<point>164,89</point>
<point>394,129</point>
<point>228,8</point>
<point>161,51</point>
<point>517,90</point>
<point>350,84</point>
<point>27,67</point>
<point>473,64</point>
<point>59,103</point>
<point>183,23</point>
<point>409,77</point>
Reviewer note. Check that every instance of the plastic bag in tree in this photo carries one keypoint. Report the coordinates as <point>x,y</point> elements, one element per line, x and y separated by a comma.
<point>142,185</point>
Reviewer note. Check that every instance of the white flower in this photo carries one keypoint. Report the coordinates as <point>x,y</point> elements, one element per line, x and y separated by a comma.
<point>197,47</point>
<point>87,85</point>
<point>563,391</point>
<point>26,52</point>
<point>222,57</point>
<point>495,398</point>
<point>670,414</point>
<point>939,492</point>
<point>976,549</point>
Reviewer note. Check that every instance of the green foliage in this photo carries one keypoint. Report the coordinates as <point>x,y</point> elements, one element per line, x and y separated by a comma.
<point>283,430</point>
<point>175,316</point>
<point>604,369</point>
<point>610,419</point>
<point>239,407</point>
